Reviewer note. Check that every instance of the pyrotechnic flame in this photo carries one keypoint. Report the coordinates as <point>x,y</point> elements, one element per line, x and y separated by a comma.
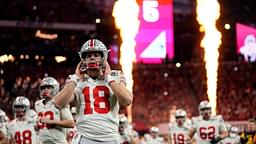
<point>126,14</point>
<point>208,11</point>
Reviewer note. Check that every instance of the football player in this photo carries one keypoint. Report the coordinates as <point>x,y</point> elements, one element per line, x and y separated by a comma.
<point>233,138</point>
<point>71,131</point>
<point>127,133</point>
<point>153,136</point>
<point>3,124</point>
<point>178,131</point>
<point>209,129</point>
<point>99,91</point>
<point>53,121</point>
<point>21,130</point>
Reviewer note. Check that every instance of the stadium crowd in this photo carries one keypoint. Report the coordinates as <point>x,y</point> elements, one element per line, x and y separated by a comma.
<point>157,88</point>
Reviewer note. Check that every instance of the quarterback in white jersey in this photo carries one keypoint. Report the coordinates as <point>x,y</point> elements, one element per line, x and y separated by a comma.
<point>53,121</point>
<point>98,93</point>
<point>21,130</point>
<point>178,131</point>
<point>209,129</point>
<point>233,137</point>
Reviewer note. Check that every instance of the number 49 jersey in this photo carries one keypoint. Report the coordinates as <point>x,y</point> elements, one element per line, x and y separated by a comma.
<point>23,132</point>
<point>206,130</point>
<point>98,108</point>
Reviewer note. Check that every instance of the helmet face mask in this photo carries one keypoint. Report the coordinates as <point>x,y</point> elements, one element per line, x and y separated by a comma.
<point>21,106</point>
<point>180,116</point>
<point>93,60</point>
<point>96,48</point>
<point>205,109</point>
<point>49,87</point>
<point>234,131</point>
<point>206,113</point>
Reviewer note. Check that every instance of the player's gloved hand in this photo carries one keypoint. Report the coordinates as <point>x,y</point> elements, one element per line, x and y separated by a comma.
<point>215,140</point>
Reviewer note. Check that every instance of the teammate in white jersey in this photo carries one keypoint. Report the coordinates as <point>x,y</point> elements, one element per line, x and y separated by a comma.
<point>209,129</point>
<point>71,131</point>
<point>52,120</point>
<point>98,93</point>
<point>3,129</point>
<point>126,131</point>
<point>21,130</point>
<point>153,137</point>
<point>233,138</point>
<point>178,131</point>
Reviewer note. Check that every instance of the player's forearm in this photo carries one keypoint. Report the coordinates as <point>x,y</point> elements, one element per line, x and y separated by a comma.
<point>123,95</point>
<point>66,95</point>
<point>65,123</point>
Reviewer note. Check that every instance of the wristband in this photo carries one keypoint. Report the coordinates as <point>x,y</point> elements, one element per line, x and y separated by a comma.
<point>73,78</point>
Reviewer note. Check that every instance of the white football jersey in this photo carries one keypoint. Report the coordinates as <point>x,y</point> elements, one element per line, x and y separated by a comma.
<point>48,133</point>
<point>3,128</point>
<point>153,140</point>
<point>231,140</point>
<point>97,116</point>
<point>23,132</point>
<point>206,130</point>
<point>177,134</point>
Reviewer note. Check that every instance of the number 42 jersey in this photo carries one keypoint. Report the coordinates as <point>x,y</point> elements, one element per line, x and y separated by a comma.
<point>98,108</point>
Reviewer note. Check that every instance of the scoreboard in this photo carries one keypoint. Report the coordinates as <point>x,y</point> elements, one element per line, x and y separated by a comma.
<point>155,38</point>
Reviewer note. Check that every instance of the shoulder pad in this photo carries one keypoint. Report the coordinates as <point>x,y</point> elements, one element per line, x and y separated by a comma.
<point>38,102</point>
<point>218,118</point>
<point>193,119</point>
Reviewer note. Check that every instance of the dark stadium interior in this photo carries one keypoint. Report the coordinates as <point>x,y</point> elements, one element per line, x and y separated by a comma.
<point>167,85</point>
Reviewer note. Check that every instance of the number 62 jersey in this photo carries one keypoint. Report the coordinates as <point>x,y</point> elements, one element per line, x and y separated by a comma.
<point>97,116</point>
<point>206,130</point>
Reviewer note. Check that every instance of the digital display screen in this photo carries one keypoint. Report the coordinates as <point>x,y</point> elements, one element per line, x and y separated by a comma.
<point>246,42</point>
<point>155,39</point>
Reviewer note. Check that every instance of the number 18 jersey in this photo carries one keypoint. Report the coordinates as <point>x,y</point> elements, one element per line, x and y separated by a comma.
<point>97,117</point>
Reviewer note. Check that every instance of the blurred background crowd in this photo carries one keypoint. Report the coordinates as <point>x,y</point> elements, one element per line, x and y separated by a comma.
<point>158,88</point>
